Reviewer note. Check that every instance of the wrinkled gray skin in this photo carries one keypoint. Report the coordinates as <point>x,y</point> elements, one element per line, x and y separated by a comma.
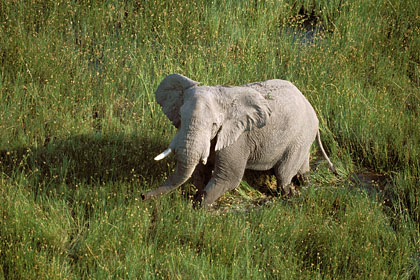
<point>223,130</point>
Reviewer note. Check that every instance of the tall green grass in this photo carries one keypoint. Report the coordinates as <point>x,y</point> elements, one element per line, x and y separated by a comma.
<point>79,128</point>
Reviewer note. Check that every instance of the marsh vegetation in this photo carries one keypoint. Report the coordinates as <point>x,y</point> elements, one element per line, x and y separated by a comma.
<point>79,128</point>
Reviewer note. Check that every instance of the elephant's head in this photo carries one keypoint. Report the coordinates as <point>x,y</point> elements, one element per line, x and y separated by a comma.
<point>201,113</point>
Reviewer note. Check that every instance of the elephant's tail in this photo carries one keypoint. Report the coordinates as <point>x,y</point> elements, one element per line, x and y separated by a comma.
<point>324,154</point>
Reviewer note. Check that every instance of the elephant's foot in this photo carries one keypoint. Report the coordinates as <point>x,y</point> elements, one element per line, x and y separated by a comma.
<point>288,190</point>
<point>212,192</point>
<point>156,192</point>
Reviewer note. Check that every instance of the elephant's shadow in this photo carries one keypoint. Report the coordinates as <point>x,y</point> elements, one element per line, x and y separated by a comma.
<point>266,182</point>
<point>92,159</point>
<point>88,159</point>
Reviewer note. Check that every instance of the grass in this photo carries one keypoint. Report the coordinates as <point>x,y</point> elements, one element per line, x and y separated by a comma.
<point>80,127</point>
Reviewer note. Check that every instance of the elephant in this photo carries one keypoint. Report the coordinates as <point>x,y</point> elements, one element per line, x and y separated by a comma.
<point>223,130</point>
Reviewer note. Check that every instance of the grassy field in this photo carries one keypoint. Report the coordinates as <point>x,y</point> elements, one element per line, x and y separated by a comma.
<point>79,128</point>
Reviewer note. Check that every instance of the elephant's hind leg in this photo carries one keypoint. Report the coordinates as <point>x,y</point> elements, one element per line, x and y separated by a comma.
<point>291,165</point>
<point>303,173</point>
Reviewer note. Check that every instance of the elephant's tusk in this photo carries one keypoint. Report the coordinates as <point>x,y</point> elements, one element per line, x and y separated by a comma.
<point>204,161</point>
<point>164,154</point>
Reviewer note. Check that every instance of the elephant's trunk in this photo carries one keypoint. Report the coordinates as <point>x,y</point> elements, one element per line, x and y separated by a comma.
<point>181,174</point>
<point>192,142</point>
<point>191,145</point>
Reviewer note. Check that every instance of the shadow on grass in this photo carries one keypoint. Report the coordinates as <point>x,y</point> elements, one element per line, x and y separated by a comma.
<point>119,158</point>
<point>92,159</point>
<point>87,159</point>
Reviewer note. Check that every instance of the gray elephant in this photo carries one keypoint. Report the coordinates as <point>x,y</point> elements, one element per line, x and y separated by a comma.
<point>223,130</point>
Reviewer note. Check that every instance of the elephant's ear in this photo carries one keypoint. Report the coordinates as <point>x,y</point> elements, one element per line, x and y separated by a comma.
<point>170,95</point>
<point>247,110</point>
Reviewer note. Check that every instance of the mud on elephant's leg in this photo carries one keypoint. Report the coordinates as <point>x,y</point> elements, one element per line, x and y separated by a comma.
<point>288,190</point>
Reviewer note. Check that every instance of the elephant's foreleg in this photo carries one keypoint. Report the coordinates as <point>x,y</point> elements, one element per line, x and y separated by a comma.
<point>201,178</point>
<point>202,175</point>
<point>227,175</point>
<point>216,188</point>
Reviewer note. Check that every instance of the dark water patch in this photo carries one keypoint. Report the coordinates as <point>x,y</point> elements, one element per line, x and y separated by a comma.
<point>369,180</point>
<point>305,36</point>
<point>305,28</point>
<point>375,185</point>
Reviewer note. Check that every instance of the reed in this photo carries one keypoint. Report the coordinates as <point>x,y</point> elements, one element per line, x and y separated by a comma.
<point>80,127</point>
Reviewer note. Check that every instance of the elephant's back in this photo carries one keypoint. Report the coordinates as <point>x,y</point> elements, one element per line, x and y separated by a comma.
<point>286,99</point>
<point>280,93</point>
